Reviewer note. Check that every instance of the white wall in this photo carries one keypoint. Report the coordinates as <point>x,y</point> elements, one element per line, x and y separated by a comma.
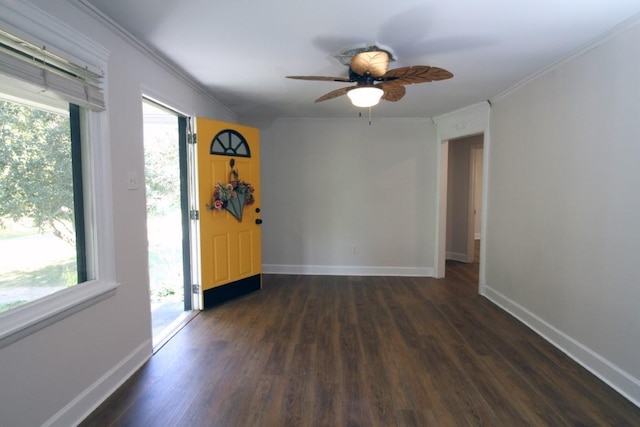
<point>562,231</point>
<point>58,373</point>
<point>330,185</point>
<point>561,226</point>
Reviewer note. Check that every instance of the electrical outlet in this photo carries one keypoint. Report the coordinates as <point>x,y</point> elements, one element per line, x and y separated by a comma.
<point>132,180</point>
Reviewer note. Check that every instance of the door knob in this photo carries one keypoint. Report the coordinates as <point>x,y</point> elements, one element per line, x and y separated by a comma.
<point>258,221</point>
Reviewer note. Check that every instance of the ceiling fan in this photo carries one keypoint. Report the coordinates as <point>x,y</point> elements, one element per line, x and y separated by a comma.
<point>373,81</point>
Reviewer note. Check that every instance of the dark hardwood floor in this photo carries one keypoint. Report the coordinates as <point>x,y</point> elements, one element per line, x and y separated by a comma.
<point>362,351</point>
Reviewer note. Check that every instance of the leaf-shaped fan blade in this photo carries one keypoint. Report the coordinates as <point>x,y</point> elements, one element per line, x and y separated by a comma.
<point>322,78</point>
<point>416,74</point>
<point>335,93</point>
<point>392,92</point>
<point>375,62</point>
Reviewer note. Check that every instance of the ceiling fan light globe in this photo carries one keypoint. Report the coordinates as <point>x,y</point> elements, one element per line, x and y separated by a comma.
<point>365,96</point>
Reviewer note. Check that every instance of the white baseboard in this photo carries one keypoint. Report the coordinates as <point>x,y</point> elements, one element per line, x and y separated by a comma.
<point>87,401</point>
<point>616,378</point>
<point>344,270</point>
<point>456,256</point>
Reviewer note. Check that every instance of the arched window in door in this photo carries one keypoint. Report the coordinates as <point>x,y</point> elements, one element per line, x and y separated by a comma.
<point>229,142</point>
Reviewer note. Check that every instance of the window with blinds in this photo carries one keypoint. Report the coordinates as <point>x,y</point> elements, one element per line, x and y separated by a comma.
<point>44,102</point>
<point>55,172</point>
<point>37,66</point>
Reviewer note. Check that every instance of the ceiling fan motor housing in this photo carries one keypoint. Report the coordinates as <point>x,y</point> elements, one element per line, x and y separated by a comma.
<point>361,80</point>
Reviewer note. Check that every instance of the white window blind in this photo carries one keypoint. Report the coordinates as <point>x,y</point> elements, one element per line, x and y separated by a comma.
<point>35,65</point>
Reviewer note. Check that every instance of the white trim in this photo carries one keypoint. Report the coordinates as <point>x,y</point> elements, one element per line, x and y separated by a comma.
<point>442,183</point>
<point>29,318</point>
<point>345,270</point>
<point>468,121</point>
<point>45,29</point>
<point>117,29</point>
<point>87,401</point>
<point>99,180</point>
<point>472,120</point>
<point>621,381</point>
<point>456,256</point>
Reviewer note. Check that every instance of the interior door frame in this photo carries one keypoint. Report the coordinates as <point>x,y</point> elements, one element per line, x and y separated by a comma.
<point>468,121</point>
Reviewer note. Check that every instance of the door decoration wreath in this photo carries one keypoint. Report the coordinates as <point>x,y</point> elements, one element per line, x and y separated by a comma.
<point>232,196</point>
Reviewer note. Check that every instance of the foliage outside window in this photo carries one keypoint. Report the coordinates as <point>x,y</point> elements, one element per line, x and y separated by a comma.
<point>38,236</point>
<point>53,68</point>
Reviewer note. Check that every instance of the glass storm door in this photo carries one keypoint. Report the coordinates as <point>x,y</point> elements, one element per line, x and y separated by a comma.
<point>167,217</point>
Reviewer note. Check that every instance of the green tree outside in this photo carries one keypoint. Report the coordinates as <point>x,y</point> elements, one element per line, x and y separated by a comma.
<point>35,169</point>
<point>36,204</point>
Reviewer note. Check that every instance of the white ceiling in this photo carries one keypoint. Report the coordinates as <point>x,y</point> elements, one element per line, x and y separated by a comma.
<point>240,50</point>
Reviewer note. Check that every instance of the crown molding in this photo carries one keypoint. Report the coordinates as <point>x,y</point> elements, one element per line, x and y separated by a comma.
<point>614,32</point>
<point>176,71</point>
<point>34,25</point>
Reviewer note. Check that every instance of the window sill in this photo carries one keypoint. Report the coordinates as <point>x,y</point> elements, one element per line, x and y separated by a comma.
<point>24,320</point>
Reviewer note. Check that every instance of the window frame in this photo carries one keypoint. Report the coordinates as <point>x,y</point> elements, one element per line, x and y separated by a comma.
<point>33,24</point>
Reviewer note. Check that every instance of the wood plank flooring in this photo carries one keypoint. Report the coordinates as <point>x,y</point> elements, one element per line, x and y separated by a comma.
<point>362,351</point>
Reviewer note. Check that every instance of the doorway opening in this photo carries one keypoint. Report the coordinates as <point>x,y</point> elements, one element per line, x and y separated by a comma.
<point>462,184</point>
<point>167,220</point>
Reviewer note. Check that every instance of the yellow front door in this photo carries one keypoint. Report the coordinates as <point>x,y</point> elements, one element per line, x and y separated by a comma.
<point>230,237</point>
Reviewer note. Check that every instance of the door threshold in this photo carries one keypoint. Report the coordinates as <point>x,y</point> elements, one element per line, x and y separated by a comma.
<point>173,328</point>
